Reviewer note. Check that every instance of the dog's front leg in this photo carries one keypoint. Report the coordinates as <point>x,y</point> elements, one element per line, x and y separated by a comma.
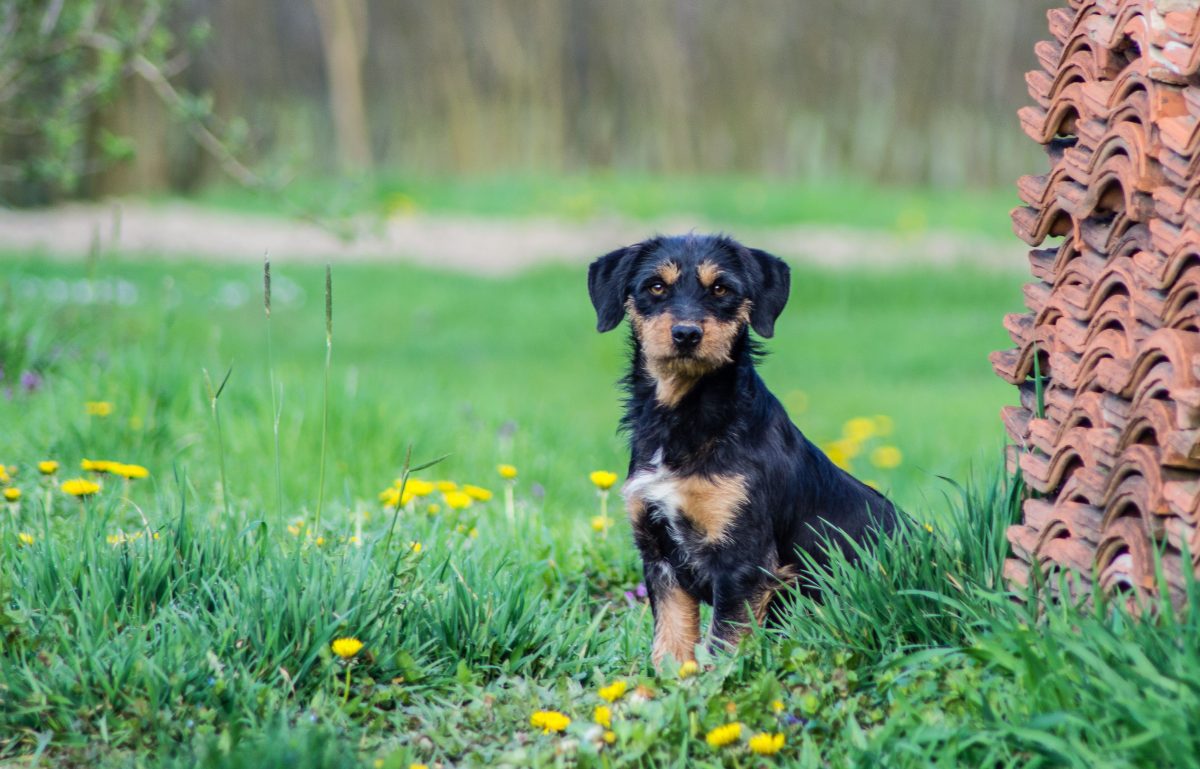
<point>738,594</point>
<point>676,615</point>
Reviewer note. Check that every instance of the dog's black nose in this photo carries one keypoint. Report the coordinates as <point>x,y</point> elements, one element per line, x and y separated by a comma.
<point>686,334</point>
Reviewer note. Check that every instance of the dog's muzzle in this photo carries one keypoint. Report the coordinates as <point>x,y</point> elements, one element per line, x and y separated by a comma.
<point>686,336</point>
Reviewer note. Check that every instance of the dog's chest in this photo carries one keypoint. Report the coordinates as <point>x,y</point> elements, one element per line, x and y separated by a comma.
<point>697,509</point>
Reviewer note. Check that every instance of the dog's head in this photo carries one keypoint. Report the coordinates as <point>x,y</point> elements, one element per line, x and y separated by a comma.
<point>689,297</point>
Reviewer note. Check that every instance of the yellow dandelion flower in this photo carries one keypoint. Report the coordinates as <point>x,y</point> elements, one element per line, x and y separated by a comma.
<point>603,479</point>
<point>80,487</point>
<point>883,425</point>
<point>858,429</point>
<point>434,509</point>
<point>293,529</point>
<point>47,467</point>
<point>96,465</point>
<point>416,487</point>
<point>98,408</point>
<point>601,522</point>
<point>390,497</point>
<point>724,735</point>
<point>777,706</point>
<point>132,472</point>
<point>26,540</point>
<point>320,541</point>
<point>418,766</point>
<point>473,533</point>
<point>603,715</point>
<point>3,475</point>
<point>457,500</point>
<point>886,457</point>
<point>929,527</point>
<point>507,472</point>
<point>12,494</point>
<point>354,540</point>
<point>415,547</point>
<point>445,486</point>
<point>346,647</point>
<point>477,493</point>
<point>765,744</point>
<point>549,721</point>
<point>688,668</point>
<point>610,737</point>
<point>614,691</point>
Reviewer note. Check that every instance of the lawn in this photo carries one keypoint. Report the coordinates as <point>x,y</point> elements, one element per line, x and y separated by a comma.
<point>187,618</point>
<point>723,201</point>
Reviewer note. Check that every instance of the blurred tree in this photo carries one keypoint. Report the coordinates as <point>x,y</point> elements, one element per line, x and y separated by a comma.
<point>61,61</point>
<point>344,38</point>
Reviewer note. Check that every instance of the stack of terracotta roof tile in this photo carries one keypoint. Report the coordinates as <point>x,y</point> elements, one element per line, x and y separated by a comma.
<point>1107,359</point>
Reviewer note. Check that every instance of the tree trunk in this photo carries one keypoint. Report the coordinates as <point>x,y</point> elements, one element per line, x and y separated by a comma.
<point>343,26</point>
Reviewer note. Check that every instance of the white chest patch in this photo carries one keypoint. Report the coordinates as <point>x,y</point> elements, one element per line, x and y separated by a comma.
<point>656,490</point>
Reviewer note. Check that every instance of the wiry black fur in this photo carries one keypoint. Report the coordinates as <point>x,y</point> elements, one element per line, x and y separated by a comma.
<point>728,423</point>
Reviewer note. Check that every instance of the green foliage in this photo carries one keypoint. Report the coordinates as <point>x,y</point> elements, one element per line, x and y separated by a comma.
<point>725,201</point>
<point>149,627</point>
<point>62,63</point>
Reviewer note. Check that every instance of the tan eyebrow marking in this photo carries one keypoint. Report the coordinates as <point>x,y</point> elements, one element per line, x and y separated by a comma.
<point>669,272</point>
<point>708,273</point>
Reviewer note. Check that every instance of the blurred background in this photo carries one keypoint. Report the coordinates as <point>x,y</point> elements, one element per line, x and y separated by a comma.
<point>909,92</point>
<point>459,162</point>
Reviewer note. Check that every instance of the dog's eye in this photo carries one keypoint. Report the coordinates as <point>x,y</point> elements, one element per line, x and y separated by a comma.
<point>657,288</point>
<point>719,289</point>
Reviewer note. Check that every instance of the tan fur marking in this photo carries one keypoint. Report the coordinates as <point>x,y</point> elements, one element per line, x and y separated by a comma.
<point>676,626</point>
<point>669,272</point>
<point>785,577</point>
<point>674,376</point>
<point>711,503</point>
<point>635,508</point>
<point>708,272</point>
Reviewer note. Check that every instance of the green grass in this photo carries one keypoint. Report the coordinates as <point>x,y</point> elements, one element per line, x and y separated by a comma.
<point>202,637</point>
<point>722,201</point>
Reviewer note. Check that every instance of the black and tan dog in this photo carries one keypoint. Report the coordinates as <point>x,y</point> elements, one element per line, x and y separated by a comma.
<point>723,490</point>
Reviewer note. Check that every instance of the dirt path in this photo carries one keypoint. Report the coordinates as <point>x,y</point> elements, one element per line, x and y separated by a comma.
<point>494,246</point>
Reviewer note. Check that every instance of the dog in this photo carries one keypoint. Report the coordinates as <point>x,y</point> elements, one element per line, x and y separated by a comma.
<point>723,491</point>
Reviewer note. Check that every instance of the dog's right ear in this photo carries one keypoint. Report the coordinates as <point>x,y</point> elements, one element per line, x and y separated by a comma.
<point>608,286</point>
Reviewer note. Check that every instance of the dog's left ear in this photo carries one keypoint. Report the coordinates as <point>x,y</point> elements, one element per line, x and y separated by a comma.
<point>608,282</point>
<point>774,279</point>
